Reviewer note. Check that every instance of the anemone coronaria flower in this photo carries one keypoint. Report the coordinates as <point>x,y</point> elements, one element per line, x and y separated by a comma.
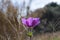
<point>30,22</point>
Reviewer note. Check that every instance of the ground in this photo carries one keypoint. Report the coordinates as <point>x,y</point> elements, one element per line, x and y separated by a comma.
<point>47,36</point>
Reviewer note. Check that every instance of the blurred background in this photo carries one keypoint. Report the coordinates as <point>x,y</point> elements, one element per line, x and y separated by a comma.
<point>11,12</point>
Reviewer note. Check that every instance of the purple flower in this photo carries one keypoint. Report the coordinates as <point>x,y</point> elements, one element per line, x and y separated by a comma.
<point>30,22</point>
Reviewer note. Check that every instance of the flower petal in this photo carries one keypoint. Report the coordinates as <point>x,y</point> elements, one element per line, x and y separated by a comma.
<point>29,21</point>
<point>36,21</point>
<point>24,21</point>
<point>27,24</point>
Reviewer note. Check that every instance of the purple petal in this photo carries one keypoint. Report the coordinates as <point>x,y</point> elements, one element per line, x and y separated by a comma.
<point>27,24</point>
<point>29,21</point>
<point>36,21</point>
<point>24,21</point>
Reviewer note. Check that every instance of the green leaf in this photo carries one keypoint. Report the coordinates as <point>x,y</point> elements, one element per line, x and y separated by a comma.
<point>30,34</point>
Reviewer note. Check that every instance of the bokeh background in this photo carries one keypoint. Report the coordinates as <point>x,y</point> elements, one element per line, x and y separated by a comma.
<point>11,12</point>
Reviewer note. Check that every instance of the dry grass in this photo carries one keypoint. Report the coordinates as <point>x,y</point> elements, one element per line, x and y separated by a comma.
<point>47,36</point>
<point>10,28</point>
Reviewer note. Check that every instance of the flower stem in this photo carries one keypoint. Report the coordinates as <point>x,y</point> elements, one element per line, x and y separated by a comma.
<point>30,38</point>
<point>30,33</point>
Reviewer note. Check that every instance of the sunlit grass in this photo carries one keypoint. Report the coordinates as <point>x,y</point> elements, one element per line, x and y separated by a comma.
<point>56,38</point>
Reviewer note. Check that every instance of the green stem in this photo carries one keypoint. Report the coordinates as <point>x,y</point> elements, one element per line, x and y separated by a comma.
<point>30,38</point>
<point>30,33</point>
